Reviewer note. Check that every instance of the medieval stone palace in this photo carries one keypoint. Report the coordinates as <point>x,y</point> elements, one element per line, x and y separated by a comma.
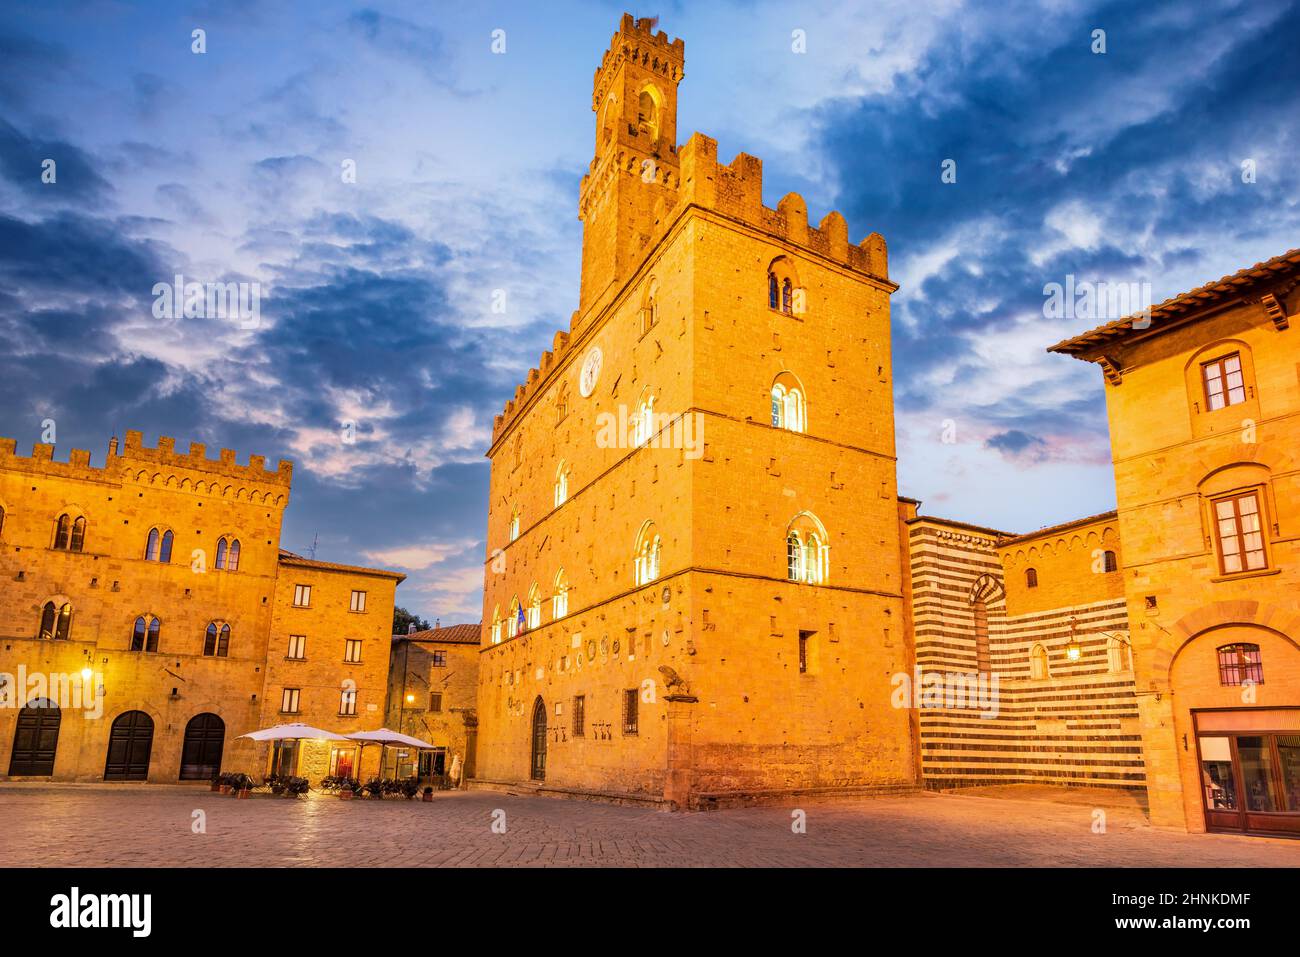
<point>702,585</point>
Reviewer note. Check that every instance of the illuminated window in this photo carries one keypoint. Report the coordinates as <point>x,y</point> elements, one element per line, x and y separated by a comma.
<point>788,410</point>
<point>348,701</point>
<point>289,700</point>
<point>514,524</point>
<point>560,599</point>
<point>534,606</point>
<point>561,484</point>
<point>807,550</point>
<point>646,556</point>
<point>1239,663</point>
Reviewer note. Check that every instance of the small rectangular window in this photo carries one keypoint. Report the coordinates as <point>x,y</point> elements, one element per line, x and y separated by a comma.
<point>289,700</point>
<point>1224,384</point>
<point>435,701</point>
<point>358,601</point>
<point>348,702</point>
<point>297,647</point>
<point>352,650</point>
<point>301,596</point>
<point>440,659</point>
<point>579,716</point>
<point>631,700</point>
<point>1240,532</point>
<point>803,652</point>
<point>1240,663</point>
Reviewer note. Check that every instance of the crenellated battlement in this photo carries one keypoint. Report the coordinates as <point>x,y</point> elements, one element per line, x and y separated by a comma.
<point>736,190</point>
<point>637,42</point>
<point>133,461</point>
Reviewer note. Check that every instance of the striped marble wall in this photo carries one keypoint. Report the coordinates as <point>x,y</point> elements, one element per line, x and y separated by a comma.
<point>1076,726</point>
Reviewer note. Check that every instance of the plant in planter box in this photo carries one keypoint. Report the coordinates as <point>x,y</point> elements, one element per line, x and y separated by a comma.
<point>216,782</point>
<point>224,782</point>
<point>348,788</point>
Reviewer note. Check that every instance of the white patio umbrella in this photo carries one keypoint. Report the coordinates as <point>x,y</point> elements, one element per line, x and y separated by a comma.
<point>384,737</point>
<point>293,732</point>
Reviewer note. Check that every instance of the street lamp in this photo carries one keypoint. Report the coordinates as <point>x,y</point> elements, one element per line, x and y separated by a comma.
<point>1072,648</point>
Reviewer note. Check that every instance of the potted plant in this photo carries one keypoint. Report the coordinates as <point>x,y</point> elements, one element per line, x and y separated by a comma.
<point>348,788</point>
<point>216,782</point>
<point>223,782</point>
<point>375,788</point>
<point>241,784</point>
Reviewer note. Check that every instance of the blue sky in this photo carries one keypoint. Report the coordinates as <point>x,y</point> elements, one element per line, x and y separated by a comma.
<point>1124,166</point>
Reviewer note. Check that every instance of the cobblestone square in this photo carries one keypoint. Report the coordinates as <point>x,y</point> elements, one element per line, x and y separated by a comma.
<point>92,826</point>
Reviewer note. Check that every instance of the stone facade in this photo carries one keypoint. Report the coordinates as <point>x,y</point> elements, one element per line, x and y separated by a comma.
<point>433,695</point>
<point>682,666</point>
<point>1203,397</point>
<point>107,569</point>
<point>1063,710</point>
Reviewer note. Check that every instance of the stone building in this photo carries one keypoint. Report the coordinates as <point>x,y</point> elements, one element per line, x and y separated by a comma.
<point>149,600</point>
<point>1044,615</point>
<point>685,601</point>
<point>1203,398</point>
<point>433,695</point>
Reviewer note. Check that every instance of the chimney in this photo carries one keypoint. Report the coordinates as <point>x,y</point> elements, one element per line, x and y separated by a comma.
<point>437,623</point>
<point>410,629</point>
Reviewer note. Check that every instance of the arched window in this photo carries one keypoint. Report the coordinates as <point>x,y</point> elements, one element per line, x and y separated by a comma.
<point>232,557</point>
<point>496,625</point>
<point>144,635</point>
<point>560,600</point>
<point>647,113</point>
<point>1109,562</point>
<point>151,546</point>
<point>1239,663</point>
<point>2,520</point>
<point>1119,656</point>
<point>165,549</point>
<point>608,120</point>
<point>643,422</point>
<point>534,607</point>
<point>783,291</point>
<point>216,641</point>
<point>1038,669</point>
<point>562,403</point>
<point>61,529</point>
<point>807,550</point>
<point>650,307</point>
<point>221,552</point>
<point>788,408</point>
<point>514,524</point>
<point>56,621</point>
<point>646,556</point>
<point>1031,577</point>
<point>981,616</point>
<point>561,484</point>
<point>515,623</point>
<point>78,540</point>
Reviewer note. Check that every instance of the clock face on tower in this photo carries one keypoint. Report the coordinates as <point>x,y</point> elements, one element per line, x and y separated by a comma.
<point>590,372</point>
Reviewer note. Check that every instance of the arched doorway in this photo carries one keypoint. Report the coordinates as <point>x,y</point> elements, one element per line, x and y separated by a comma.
<point>36,738</point>
<point>205,739</point>
<point>129,742</point>
<point>539,741</point>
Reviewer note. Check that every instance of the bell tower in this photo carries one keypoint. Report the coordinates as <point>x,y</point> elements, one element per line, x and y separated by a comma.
<point>634,97</point>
